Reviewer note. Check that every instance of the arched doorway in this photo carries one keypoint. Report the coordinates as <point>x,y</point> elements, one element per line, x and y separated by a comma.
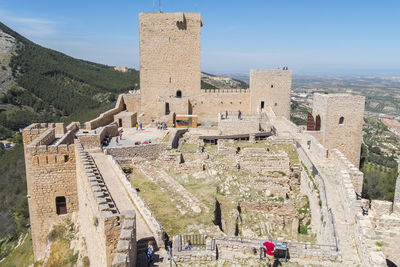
<point>317,123</point>
<point>178,94</point>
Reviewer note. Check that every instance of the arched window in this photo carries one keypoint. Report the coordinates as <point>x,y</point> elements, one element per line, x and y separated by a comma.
<point>341,120</point>
<point>317,123</point>
<point>61,205</point>
<point>178,94</point>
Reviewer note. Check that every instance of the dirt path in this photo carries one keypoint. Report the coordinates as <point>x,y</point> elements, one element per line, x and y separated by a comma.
<point>123,202</point>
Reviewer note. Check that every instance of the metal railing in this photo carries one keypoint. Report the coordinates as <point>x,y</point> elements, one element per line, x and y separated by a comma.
<point>194,242</point>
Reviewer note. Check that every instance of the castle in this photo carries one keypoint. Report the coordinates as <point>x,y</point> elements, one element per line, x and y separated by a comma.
<point>68,173</point>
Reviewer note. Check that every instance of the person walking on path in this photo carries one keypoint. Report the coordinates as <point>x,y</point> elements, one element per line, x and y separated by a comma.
<point>116,141</point>
<point>226,114</point>
<point>140,126</point>
<point>239,115</point>
<point>136,126</point>
<point>149,252</point>
<point>169,248</point>
<point>269,250</point>
<point>120,135</point>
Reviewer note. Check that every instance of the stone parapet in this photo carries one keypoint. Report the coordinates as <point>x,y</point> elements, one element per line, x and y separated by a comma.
<point>127,247</point>
<point>99,218</point>
<point>148,216</point>
<point>229,91</point>
<point>106,117</point>
<point>343,164</point>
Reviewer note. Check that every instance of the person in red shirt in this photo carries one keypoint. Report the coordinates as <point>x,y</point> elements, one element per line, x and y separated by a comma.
<point>269,250</point>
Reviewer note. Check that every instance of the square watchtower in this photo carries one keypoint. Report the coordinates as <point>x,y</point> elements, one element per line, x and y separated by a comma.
<point>169,57</point>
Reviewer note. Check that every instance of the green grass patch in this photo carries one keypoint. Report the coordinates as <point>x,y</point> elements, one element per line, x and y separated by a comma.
<point>21,256</point>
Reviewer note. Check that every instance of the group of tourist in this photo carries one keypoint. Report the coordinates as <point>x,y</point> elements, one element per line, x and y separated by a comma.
<point>139,126</point>
<point>161,125</point>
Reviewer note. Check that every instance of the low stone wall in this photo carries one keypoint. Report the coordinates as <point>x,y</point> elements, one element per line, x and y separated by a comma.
<point>99,218</point>
<point>229,247</point>
<point>150,151</point>
<point>127,246</point>
<point>206,253</point>
<point>235,126</point>
<point>148,216</point>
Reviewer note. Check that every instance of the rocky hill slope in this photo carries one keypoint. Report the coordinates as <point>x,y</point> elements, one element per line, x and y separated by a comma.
<point>223,82</point>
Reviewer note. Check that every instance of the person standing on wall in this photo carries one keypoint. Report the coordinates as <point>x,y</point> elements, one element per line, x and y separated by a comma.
<point>269,250</point>
<point>226,114</point>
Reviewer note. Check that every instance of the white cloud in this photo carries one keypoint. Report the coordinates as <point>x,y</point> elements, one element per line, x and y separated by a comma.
<point>29,26</point>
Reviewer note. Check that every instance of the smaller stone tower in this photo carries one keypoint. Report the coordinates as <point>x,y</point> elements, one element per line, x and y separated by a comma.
<point>271,88</point>
<point>339,117</point>
<point>51,179</point>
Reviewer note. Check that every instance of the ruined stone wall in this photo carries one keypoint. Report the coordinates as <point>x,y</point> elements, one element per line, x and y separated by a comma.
<point>345,136</point>
<point>207,105</point>
<point>98,215</point>
<point>50,173</point>
<point>273,87</point>
<point>268,161</point>
<point>169,57</point>
<point>150,151</point>
<point>175,135</point>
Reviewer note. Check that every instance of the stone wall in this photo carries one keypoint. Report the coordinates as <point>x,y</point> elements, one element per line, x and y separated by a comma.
<point>169,57</point>
<point>269,161</point>
<point>207,105</point>
<point>273,87</point>
<point>126,252</point>
<point>99,218</point>
<point>235,126</point>
<point>345,136</point>
<point>50,173</point>
<point>94,138</point>
<point>106,117</point>
<point>343,164</point>
<point>150,151</point>
<point>386,223</point>
<point>132,101</point>
<point>148,216</point>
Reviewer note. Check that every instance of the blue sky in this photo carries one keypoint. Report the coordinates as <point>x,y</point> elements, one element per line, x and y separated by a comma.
<point>335,36</point>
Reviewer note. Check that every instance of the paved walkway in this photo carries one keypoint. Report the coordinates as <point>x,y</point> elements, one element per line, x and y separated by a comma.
<point>123,202</point>
<point>131,135</point>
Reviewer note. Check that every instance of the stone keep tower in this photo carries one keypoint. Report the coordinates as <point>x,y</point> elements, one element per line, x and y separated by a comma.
<point>169,57</point>
<point>339,117</point>
<point>271,88</point>
<point>51,179</point>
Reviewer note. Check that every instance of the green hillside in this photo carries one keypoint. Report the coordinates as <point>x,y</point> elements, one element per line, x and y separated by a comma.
<point>49,86</point>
